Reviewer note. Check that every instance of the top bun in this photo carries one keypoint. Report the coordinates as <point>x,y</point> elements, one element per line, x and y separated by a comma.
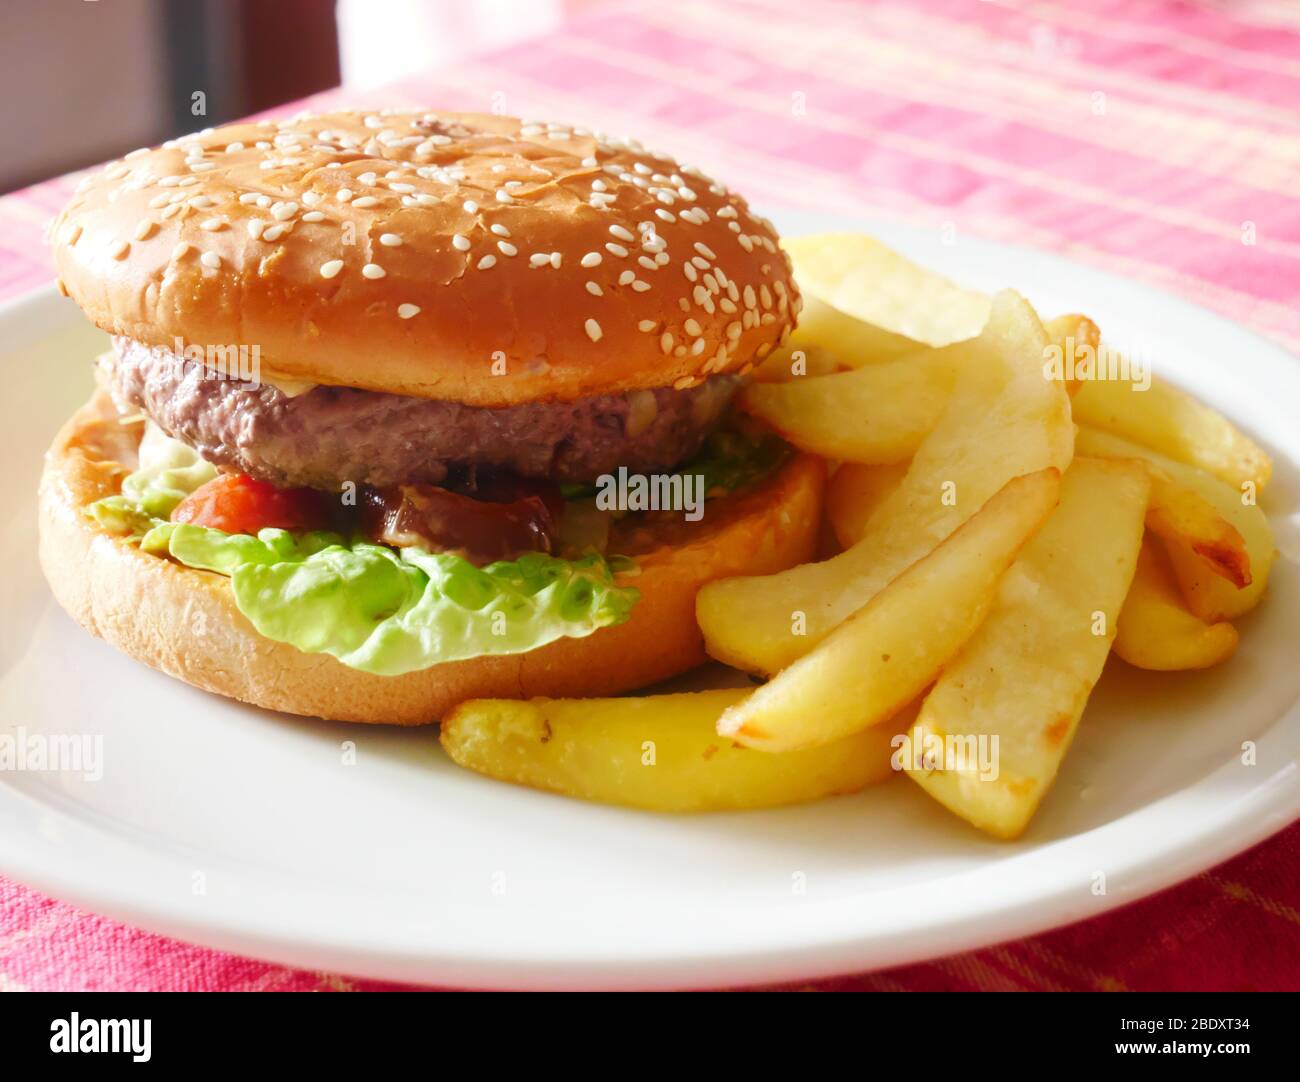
<point>458,256</point>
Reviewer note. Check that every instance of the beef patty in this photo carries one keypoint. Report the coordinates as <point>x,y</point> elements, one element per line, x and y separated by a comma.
<point>330,435</point>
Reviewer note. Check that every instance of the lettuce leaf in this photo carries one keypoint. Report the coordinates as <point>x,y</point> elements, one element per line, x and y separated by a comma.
<point>381,610</point>
<point>169,471</point>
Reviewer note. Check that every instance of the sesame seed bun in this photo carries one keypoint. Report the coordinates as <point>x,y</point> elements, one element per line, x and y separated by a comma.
<point>457,256</point>
<point>185,622</point>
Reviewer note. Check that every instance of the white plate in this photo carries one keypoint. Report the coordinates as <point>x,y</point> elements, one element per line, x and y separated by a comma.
<point>404,867</point>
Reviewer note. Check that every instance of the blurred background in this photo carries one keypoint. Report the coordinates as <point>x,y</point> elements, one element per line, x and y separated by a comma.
<point>107,76</point>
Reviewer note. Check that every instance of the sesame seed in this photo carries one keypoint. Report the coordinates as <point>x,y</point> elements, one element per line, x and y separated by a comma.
<point>506,248</point>
<point>751,300</point>
<point>310,199</point>
<point>212,225</point>
<point>74,234</point>
<point>691,273</point>
<point>700,262</point>
<point>470,206</point>
<point>145,229</point>
<point>500,230</point>
<point>682,383</point>
<point>697,347</point>
<point>591,259</point>
<point>539,259</point>
<point>119,250</point>
<point>181,250</point>
<point>460,243</point>
<point>172,211</point>
<point>666,342</point>
<point>406,311</point>
<point>330,269</point>
<point>373,270</point>
<point>640,286</point>
<point>621,233</point>
<point>555,260</point>
<point>626,278</point>
<point>274,232</point>
<point>595,289</point>
<point>366,201</point>
<point>282,212</point>
<point>211,260</point>
<point>343,195</point>
<point>313,216</point>
<point>647,325</point>
<point>255,227</point>
<point>745,242</point>
<point>593,330</point>
<point>487,262</point>
<point>616,249</point>
<point>666,215</point>
<point>504,196</point>
<point>647,262</point>
<point>390,240</point>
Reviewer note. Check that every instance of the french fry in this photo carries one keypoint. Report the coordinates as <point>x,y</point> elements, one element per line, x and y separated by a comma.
<point>877,414</point>
<point>826,340</point>
<point>860,277</point>
<point>1181,514</point>
<point>1075,336</point>
<point>854,492</point>
<point>1176,425</point>
<point>1210,596</point>
<point>1025,676</point>
<point>1004,419</point>
<point>1156,628</point>
<point>659,753</point>
<point>879,659</point>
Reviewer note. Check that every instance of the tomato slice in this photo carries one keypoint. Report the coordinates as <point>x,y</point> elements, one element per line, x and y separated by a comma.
<point>237,503</point>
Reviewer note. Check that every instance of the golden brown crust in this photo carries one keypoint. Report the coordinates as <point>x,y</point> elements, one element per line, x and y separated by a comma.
<point>710,291</point>
<point>184,622</point>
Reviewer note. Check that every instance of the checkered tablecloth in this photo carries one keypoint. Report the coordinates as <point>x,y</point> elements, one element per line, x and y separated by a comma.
<point>1156,139</point>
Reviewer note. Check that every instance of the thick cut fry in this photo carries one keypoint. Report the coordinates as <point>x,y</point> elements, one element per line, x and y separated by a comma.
<point>1157,630</point>
<point>1181,514</point>
<point>1025,676</point>
<point>660,752</point>
<point>877,414</point>
<point>862,278</point>
<point>1209,595</point>
<point>1076,337</point>
<point>883,656</point>
<point>854,492</point>
<point>826,340</point>
<point>1174,424</point>
<point>1004,419</point>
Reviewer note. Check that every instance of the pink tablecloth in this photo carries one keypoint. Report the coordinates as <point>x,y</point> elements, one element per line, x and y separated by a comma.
<point>1153,138</point>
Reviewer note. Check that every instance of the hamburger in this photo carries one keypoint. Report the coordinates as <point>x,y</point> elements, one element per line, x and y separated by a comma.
<point>382,394</point>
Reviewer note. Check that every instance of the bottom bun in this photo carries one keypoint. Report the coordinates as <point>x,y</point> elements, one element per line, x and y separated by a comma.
<point>184,622</point>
